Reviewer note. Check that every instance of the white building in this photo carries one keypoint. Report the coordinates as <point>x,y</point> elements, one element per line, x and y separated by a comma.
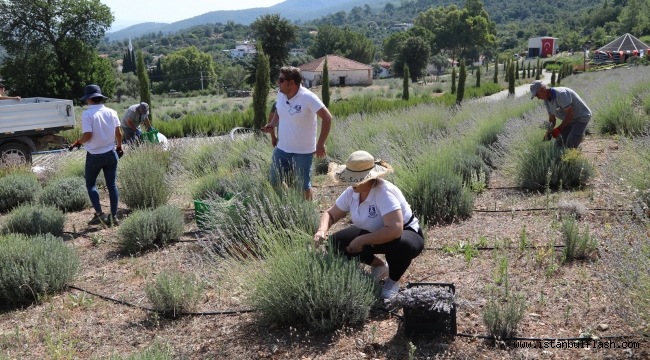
<point>542,47</point>
<point>342,72</point>
<point>243,48</point>
<point>401,27</point>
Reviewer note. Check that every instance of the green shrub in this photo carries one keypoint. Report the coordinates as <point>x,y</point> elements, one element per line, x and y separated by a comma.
<point>486,155</point>
<point>545,164</point>
<point>501,316</point>
<point>16,189</point>
<point>35,220</point>
<point>31,268</point>
<point>296,285</point>
<point>471,167</point>
<point>173,293</point>
<point>436,193</point>
<point>67,194</point>
<point>619,117</point>
<point>577,246</point>
<point>145,229</point>
<point>142,173</point>
<point>155,352</point>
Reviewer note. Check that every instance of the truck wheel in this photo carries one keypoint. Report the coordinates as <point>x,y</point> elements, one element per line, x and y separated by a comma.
<point>14,154</point>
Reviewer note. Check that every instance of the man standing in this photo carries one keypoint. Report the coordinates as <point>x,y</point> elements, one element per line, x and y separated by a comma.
<point>4,97</point>
<point>103,139</point>
<point>297,108</point>
<point>131,121</point>
<point>563,103</point>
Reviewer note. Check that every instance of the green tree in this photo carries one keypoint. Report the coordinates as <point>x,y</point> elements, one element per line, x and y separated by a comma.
<point>517,70</point>
<point>528,76</point>
<point>496,73</point>
<point>262,87</point>
<point>393,44</point>
<point>51,47</point>
<point>453,80</point>
<point>325,91</point>
<point>462,77</point>
<point>352,45</point>
<point>538,70</point>
<point>415,53</point>
<point>233,77</point>
<point>143,82</point>
<point>478,77</point>
<point>275,34</point>
<point>553,78</point>
<point>405,83</point>
<point>126,84</point>
<point>189,69</point>
<point>511,79</point>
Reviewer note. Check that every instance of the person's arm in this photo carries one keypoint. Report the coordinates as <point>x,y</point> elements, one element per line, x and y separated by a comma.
<point>272,124</point>
<point>147,122</point>
<point>118,137</point>
<point>392,229</point>
<point>329,218</point>
<point>10,98</point>
<point>274,138</point>
<point>84,139</point>
<point>567,119</point>
<point>129,123</point>
<point>326,125</point>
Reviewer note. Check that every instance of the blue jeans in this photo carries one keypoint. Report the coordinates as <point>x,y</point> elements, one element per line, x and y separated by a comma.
<point>283,163</point>
<point>94,164</point>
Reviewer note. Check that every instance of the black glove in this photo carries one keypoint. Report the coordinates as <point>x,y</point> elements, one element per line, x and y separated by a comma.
<point>119,151</point>
<point>75,144</point>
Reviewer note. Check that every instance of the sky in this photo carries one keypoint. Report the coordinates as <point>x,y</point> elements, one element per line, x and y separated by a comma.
<point>131,12</point>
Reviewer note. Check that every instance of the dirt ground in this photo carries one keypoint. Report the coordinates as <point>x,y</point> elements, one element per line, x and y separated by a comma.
<point>566,303</point>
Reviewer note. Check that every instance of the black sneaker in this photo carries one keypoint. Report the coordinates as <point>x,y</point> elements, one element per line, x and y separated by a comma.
<point>97,219</point>
<point>111,220</point>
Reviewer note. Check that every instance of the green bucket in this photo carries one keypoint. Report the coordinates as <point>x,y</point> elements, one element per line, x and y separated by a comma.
<point>150,136</point>
<point>202,211</point>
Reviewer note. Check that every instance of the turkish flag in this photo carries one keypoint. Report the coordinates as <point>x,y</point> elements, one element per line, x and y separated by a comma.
<point>547,47</point>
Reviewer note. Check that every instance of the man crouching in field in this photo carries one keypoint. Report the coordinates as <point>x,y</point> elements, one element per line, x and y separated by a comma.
<point>563,103</point>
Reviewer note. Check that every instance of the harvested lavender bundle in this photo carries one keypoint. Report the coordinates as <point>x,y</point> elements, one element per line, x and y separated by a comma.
<point>429,298</point>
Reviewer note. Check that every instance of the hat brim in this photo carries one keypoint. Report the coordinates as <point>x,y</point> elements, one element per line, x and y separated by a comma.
<point>93,96</point>
<point>343,175</point>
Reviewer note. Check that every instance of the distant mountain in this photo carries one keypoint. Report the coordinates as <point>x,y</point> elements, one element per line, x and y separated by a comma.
<point>291,9</point>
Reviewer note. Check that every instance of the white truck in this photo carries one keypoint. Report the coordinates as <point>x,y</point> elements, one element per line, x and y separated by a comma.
<point>30,125</point>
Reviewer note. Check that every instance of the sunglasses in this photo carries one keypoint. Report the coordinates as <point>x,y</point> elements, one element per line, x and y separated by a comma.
<point>281,80</point>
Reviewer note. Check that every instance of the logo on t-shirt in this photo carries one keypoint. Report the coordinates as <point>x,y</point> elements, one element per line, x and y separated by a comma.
<point>294,110</point>
<point>372,211</point>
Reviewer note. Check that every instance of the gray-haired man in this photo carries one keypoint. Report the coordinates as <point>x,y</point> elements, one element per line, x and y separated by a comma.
<point>135,115</point>
<point>563,103</point>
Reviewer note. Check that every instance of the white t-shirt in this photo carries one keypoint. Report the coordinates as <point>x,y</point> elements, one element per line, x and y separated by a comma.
<point>101,121</point>
<point>297,135</point>
<point>383,198</point>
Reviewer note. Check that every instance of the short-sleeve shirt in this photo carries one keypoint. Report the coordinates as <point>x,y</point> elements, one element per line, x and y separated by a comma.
<point>383,198</point>
<point>562,98</point>
<point>101,121</point>
<point>133,114</point>
<point>297,135</point>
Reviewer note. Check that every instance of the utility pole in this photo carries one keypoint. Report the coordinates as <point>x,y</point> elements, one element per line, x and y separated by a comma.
<point>201,72</point>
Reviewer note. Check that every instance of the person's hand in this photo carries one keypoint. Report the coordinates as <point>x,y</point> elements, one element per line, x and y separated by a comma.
<point>267,128</point>
<point>75,144</point>
<point>17,98</point>
<point>119,151</point>
<point>138,133</point>
<point>320,151</point>
<point>556,132</point>
<point>319,237</point>
<point>355,246</point>
<point>152,129</point>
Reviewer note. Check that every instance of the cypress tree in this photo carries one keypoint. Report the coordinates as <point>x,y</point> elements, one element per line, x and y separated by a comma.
<point>517,70</point>
<point>261,87</point>
<point>539,69</point>
<point>133,63</point>
<point>453,80</point>
<point>143,81</point>
<point>511,79</point>
<point>462,76</point>
<point>326,84</point>
<point>553,78</point>
<point>528,75</point>
<point>478,77</point>
<point>405,83</point>
<point>496,74</point>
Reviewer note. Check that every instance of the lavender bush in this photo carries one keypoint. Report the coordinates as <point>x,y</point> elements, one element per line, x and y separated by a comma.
<point>429,298</point>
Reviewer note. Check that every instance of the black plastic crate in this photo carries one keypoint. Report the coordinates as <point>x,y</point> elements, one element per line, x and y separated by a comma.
<point>434,323</point>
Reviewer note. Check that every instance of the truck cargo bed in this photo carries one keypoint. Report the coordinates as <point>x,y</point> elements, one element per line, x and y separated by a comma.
<point>35,114</point>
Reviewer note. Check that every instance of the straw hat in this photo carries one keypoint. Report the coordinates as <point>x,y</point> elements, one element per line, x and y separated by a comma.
<point>359,168</point>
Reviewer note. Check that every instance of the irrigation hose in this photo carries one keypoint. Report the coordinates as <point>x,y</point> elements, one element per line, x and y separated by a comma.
<point>543,209</point>
<point>501,247</point>
<point>229,312</point>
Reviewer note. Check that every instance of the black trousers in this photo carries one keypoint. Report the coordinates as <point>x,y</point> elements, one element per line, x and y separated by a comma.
<point>399,252</point>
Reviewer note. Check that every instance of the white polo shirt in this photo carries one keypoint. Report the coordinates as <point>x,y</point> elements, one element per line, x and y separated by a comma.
<point>297,135</point>
<point>383,198</point>
<point>101,121</point>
